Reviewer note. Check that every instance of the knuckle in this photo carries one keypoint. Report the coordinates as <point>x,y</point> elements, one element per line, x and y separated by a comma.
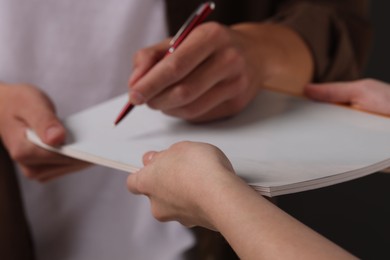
<point>21,92</point>
<point>27,90</point>
<point>18,154</point>
<point>158,214</point>
<point>232,56</point>
<point>174,68</point>
<point>143,54</point>
<point>182,145</point>
<point>213,31</point>
<point>181,94</point>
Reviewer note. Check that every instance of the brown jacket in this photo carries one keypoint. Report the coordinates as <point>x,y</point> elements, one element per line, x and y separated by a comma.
<point>336,31</point>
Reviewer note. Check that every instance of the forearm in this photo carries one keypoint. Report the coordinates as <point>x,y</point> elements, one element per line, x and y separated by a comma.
<point>280,58</point>
<point>256,229</point>
<point>337,33</point>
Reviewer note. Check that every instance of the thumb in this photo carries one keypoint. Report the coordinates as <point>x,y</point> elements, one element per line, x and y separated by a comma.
<point>148,157</point>
<point>41,117</point>
<point>53,133</point>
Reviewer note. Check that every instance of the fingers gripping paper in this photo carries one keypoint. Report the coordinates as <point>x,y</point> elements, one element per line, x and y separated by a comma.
<point>280,144</point>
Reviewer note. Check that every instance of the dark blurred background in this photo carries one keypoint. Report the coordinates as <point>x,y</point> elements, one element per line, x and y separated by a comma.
<point>379,63</point>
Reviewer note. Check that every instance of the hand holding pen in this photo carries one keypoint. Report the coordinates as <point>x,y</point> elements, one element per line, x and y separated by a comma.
<point>195,19</point>
<point>215,73</point>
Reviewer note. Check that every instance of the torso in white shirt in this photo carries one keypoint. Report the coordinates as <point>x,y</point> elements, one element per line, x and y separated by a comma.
<point>80,53</point>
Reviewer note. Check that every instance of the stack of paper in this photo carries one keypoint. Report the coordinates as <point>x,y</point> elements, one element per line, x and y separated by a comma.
<point>280,144</point>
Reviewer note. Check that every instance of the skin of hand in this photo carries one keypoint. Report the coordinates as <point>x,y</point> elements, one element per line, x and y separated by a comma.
<point>162,171</point>
<point>195,184</point>
<point>23,106</point>
<point>218,70</point>
<point>366,94</point>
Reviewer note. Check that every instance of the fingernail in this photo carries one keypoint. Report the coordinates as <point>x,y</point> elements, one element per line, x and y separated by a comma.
<point>151,156</point>
<point>53,132</point>
<point>136,98</point>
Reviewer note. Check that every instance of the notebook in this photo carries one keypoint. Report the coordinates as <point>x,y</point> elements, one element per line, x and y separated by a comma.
<point>280,144</point>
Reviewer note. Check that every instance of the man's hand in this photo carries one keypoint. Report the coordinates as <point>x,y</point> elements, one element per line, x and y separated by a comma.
<point>218,70</point>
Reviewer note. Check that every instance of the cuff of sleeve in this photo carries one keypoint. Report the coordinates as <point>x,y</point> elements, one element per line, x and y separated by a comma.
<point>327,37</point>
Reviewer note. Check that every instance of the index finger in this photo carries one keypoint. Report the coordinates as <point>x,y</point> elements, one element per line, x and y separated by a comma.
<point>338,92</point>
<point>175,67</point>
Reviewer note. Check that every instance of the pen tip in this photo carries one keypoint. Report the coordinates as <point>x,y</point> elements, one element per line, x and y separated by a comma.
<point>118,120</point>
<point>125,110</point>
<point>121,116</point>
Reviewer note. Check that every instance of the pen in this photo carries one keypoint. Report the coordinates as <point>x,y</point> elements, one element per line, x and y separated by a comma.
<point>195,19</point>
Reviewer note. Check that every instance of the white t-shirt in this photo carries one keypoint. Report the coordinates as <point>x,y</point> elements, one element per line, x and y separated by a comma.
<point>80,53</point>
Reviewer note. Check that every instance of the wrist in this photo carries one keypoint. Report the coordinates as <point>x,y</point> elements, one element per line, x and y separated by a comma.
<point>223,197</point>
<point>279,57</point>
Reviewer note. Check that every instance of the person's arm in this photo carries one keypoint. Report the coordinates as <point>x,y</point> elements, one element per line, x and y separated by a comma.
<point>23,106</point>
<point>195,184</point>
<point>366,94</point>
<point>219,69</point>
<point>337,32</point>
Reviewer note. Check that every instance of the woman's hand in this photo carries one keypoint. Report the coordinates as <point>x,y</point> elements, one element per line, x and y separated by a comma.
<point>181,180</point>
<point>367,94</point>
<point>24,106</point>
